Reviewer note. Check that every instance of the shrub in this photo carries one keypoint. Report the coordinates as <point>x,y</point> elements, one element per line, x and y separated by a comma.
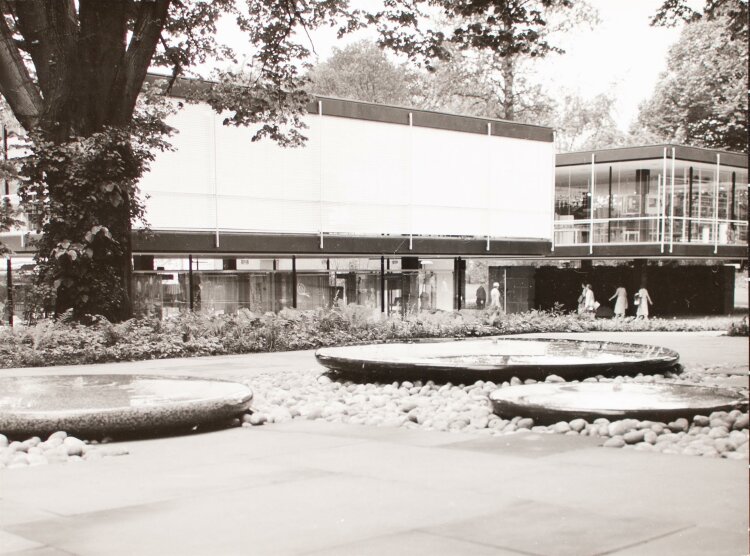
<point>60,342</point>
<point>738,328</point>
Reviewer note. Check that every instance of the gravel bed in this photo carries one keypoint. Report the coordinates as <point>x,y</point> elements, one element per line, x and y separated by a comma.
<point>282,396</point>
<point>58,448</point>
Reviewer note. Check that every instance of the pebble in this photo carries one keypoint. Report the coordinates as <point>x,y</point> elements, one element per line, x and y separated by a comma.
<point>526,423</point>
<point>634,437</point>
<point>741,422</point>
<point>578,424</point>
<point>679,425</point>
<point>701,420</point>
<point>614,442</point>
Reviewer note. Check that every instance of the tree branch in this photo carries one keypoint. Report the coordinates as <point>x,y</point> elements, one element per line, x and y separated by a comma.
<point>32,23</point>
<point>16,84</point>
<point>149,23</point>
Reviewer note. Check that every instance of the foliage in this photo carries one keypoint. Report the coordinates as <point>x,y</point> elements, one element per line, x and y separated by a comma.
<point>583,124</point>
<point>89,190</point>
<point>701,99</point>
<point>738,328</point>
<point>672,12</point>
<point>362,71</point>
<point>66,341</point>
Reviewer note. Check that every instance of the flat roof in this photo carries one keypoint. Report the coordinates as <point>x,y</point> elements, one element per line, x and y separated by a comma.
<point>359,110</point>
<point>645,152</point>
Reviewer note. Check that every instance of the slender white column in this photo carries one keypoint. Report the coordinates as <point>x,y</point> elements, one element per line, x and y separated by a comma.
<point>671,209</point>
<point>660,215</point>
<point>411,181</point>
<point>320,190</point>
<point>591,204</point>
<point>214,176</point>
<point>488,196</point>
<point>716,203</point>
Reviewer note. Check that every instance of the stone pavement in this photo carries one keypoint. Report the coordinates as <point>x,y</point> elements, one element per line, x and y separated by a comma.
<point>318,488</point>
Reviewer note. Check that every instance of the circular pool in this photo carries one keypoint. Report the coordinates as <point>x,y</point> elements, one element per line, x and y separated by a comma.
<point>112,404</point>
<point>495,359</point>
<point>550,403</point>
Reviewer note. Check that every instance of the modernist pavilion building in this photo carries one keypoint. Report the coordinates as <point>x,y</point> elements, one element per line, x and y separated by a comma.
<point>398,209</point>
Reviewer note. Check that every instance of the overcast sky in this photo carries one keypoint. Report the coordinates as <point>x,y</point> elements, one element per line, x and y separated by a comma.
<point>623,54</point>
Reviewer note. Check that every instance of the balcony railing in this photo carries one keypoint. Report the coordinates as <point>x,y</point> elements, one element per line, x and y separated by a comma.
<point>650,230</point>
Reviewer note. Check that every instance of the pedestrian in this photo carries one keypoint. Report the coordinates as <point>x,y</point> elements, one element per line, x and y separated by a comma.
<point>582,300</point>
<point>621,305</point>
<point>590,304</point>
<point>495,304</point>
<point>643,300</point>
<point>481,297</point>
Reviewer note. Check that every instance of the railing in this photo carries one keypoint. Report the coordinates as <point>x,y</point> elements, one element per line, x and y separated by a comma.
<point>650,230</point>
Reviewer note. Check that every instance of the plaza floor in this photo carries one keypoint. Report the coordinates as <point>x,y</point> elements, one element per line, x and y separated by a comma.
<point>317,488</point>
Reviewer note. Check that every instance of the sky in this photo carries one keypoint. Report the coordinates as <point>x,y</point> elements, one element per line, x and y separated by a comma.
<point>622,55</point>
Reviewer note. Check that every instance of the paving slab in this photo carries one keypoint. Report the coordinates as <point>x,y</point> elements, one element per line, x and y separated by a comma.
<point>277,490</point>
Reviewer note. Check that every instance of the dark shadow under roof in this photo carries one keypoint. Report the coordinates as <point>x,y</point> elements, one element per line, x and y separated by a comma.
<point>646,152</point>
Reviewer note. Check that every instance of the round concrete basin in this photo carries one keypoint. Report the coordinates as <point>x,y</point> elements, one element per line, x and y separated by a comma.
<point>112,404</point>
<point>550,403</point>
<point>495,359</point>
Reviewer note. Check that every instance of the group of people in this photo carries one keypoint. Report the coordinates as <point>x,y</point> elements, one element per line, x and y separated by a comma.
<point>587,303</point>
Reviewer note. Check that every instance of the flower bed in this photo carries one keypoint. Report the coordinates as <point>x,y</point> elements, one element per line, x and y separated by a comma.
<point>189,335</point>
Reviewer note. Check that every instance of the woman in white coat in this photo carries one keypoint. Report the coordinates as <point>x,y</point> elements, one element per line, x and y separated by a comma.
<point>621,305</point>
<point>643,301</point>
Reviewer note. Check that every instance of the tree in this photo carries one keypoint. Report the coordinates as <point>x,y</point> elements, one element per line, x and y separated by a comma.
<point>585,124</point>
<point>504,85</point>
<point>487,85</point>
<point>72,72</point>
<point>735,12</point>
<point>701,99</point>
<point>362,71</point>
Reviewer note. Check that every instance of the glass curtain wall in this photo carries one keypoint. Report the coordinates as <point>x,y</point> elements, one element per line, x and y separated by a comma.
<point>636,202</point>
<point>262,285</point>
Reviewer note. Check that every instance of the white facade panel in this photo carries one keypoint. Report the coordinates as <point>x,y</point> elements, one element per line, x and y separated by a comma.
<point>239,213</point>
<point>188,168</point>
<point>450,168</point>
<point>364,162</point>
<point>352,177</point>
<point>180,211</point>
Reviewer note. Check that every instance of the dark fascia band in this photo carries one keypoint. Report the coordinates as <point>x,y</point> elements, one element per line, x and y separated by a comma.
<point>650,152</point>
<point>239,244</point>
<point>191,88</point>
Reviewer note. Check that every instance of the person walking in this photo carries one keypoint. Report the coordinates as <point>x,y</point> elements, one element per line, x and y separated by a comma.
<point>481,297</point>
<point>643,300</point>
<point>495,304</point>
<point>590,305</point>
<point>582,300</point>
<point>621,305</point>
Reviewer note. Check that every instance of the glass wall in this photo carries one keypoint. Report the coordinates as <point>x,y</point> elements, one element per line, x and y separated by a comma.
<point>637,202</point>
<point>262,285</point>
